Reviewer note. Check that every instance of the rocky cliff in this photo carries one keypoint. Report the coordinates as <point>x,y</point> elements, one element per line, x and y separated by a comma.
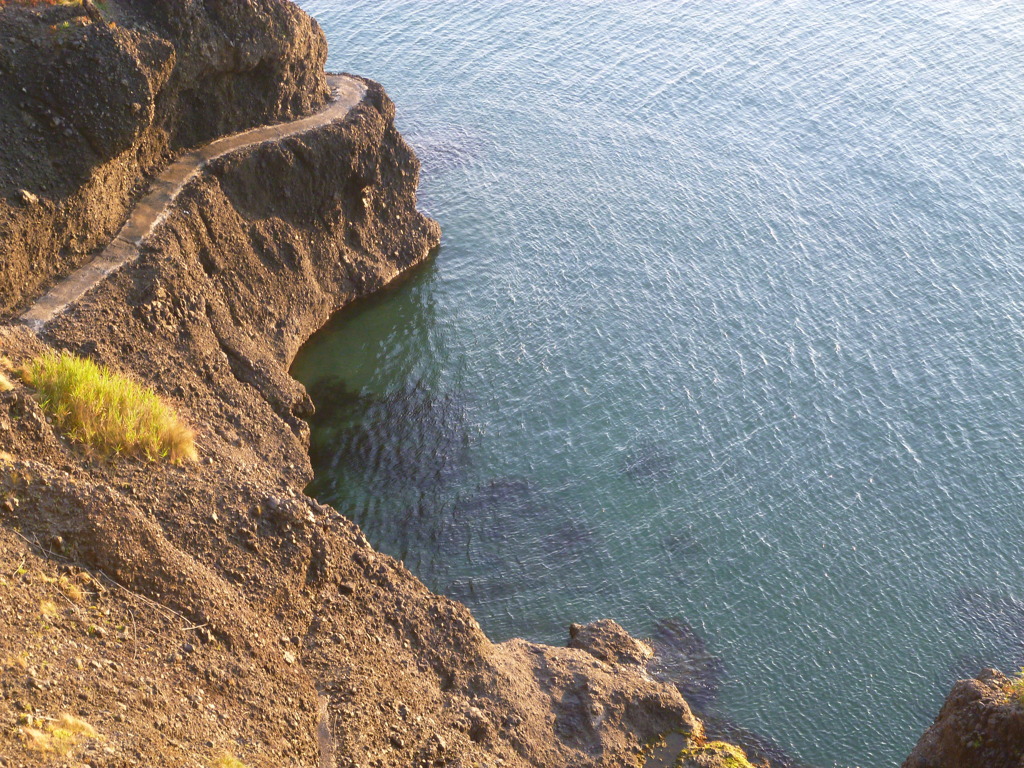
<point>211,613</point>
<point>90,109</point>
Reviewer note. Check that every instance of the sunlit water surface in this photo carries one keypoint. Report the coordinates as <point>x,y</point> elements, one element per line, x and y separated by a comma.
<point>726,328</point>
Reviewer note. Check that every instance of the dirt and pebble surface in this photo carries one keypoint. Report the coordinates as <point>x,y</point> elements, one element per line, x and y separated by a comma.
<point>192,615</point>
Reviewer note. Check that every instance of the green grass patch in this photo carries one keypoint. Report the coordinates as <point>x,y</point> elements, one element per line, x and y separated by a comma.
<point>227,760</point>
<point>1015,689</point>
<point>108,413</point>
<point>717,753</point>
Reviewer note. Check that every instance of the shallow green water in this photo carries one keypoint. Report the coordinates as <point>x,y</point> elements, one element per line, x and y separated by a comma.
<point>725,328</point>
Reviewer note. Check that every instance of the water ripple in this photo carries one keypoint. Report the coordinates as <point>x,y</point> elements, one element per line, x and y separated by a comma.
<point>726,326</point>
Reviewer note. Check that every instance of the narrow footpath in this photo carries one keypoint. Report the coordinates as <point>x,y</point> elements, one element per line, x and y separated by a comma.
<point>150,210</point>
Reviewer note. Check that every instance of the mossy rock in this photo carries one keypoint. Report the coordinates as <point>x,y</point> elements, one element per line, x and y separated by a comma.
<point>714,754</point>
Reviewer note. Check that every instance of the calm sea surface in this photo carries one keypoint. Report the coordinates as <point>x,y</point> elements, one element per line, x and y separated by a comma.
<point>727,327</point>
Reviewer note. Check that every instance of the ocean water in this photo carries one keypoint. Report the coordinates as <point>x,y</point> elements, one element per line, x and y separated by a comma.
<point>724,341</point>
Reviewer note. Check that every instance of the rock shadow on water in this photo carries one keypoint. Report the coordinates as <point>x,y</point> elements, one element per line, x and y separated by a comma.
<point>571,536</point>
<point>683,544</point>
<point>510,494</point>
<point>494,514</point>
<point>411,438</point>
<point>681,657</point>
<point>481,590</point>
<point>511,512</point>
<point>509,537</point>
<point>481,528</point>
<point>333,399</point>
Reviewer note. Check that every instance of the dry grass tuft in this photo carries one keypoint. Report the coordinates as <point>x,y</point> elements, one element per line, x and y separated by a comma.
<point>227,760</point>
<point>61,735</point>
<point>71,589</point>
<point>76,725</point>
<point>37,740</point>
<point>19,662</point>
<point>107,412</point>
<point>5,383</point>
<point>48,608</point>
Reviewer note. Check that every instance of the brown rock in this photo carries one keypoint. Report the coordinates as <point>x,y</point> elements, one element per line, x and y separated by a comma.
<point>609,642</point>
<point>979,726</point>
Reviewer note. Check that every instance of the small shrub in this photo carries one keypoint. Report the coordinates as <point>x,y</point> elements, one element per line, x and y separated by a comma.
<point>1015,689</point>
<point>107,412</point>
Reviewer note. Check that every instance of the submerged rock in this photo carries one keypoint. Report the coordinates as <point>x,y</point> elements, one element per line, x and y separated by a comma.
<point>571,535</point>
<point>412,438</point>
<point>650,461</point>
<point>683,544</point>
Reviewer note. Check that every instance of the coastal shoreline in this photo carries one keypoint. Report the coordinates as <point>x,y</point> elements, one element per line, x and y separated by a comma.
<point>186,612</point>
<point>279,602</point>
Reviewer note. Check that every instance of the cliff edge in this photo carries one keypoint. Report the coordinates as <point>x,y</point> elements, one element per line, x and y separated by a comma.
<point>210,614</point>
<point>981,725</point>
<point>90,109</point>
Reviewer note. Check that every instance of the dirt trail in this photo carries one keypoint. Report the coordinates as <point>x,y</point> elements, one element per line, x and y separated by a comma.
<point>151,209</point>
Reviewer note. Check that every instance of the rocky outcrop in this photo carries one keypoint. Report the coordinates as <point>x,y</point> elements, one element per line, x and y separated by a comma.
<point>89,110</point>
<point>980,726</point>
<point>609,642</point>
